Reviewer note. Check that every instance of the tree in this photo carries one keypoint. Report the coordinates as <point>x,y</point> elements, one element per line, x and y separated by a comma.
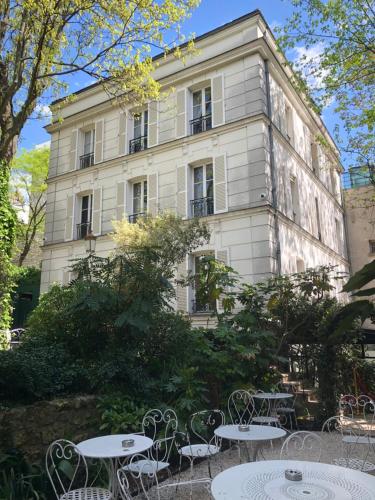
<point>338,64</point>
<point>28,187</point>
<point>44,42</point>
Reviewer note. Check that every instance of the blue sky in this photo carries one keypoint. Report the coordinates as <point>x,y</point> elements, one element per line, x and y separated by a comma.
<point>209,15</point>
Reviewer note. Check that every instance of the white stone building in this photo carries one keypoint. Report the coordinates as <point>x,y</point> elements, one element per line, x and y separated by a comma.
<point>233,142</point>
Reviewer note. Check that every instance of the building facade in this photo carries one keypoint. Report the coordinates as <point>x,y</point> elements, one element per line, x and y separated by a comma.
<point>231,141</point>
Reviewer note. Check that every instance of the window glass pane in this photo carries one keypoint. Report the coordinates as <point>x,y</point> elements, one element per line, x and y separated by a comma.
<point>144,195</point>
<point>209,172</point>
<point>198,174</point>
<point>137,193</point>
<point>210,189</point>
<point>207,100</point>
<point>137,126</point>
<point>145,122</point>
<point>197,104</point>
<point>88,142</point>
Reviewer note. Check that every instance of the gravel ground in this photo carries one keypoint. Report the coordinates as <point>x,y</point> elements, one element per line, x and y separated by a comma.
<point>331,449</point>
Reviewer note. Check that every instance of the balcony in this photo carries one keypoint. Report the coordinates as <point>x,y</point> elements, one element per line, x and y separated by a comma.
<point>202,207</point>
<point>138,144</point>
<point>133,218</point>
<point>197,307</point>
<point>83,230</point>
<point>86,160</point>
<point>359,177</point>
<point>200,124</point>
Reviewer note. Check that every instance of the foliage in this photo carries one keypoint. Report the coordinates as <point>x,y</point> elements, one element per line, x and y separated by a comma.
<point>121,413</point>
<point>340,36</point>
<point>28,191</point>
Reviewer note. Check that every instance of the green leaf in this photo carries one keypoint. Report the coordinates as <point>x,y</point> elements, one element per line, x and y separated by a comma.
<point>361,278</point>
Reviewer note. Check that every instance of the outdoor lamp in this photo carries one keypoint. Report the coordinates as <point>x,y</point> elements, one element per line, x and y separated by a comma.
<point>90,242</point>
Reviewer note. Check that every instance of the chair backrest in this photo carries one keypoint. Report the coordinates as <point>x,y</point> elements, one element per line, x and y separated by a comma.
<point>348,405</point>
<point>66,467</point>
<point>161,427</point>
<point>141,469</point>
<point>202,425</point>
<point>302,445</point>
<point>122,478</point>
<point>241,407</point>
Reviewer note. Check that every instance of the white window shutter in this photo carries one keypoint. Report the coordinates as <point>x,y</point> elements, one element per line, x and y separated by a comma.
<point>99,132</point>
<point>73,149</point>
<point>120,200</point>
<point>122,127</point>
<point>152,138</point>
<point>182,291</point>
<point>181,118</point>
<point>152,194</point>
<point>220,184</point>
<point>69,221</point>
<point>182,191</point>
<point>97,211</point>
<point>221,256</point>
<point>217,100</point>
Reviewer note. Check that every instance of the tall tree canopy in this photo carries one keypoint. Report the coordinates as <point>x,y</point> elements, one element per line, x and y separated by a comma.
<point>337,60</point>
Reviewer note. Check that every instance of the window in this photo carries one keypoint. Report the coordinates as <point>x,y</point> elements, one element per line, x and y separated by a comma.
<point>87,159</point>
<point>295,199</point>
<point>201,302</point>
<point>203,191</point>
<point>84,227</point>
<point>338,236</point>
<point>202,115</point>
<point>372,246</point>
<point>314,157</point>
<point>289,123</point>
<point>319,233</point>
<point>333,181</point>
<point>139,200</point>
<point>300,266</point>
<point>140,132</point>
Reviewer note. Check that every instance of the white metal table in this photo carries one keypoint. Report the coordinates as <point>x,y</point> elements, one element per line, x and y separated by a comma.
<point>110,450</point>
<point>257,433</point>
<point>266,481</point>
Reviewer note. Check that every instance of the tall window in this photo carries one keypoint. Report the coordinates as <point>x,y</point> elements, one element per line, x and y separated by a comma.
<point>203,191</point>
<point>140,131</point>
<point>202,114</point>
<point>338,236</point>
<point>317,213</point>
<point>295,199</point>
<point>314,157</point>
<point>84,227</point>
<point>202,302</point>
<point>289,122</point>
<point>87,159</point>
<point>139,200</point>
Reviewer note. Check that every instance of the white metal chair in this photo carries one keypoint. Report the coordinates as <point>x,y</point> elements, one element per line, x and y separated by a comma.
<point>141,469</point>
<point>161,427</point>
<point>241,407</point>
<point>302,445</point>
<point>265,415</point>
<point>67,469</point>
<point>202,441</point>
<point>353,447</point>
<point>287,411</point>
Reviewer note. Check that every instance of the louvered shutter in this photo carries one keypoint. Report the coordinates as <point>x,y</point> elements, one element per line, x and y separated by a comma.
<point>73,149</point>
<point>220,184</point>
<point>122,127</point>
<point>217,100</point>
<point>181,114</point>
<point>152,195</point>
<point>182,191</point>
<point>69,221</point>
<point>152,138</point>
<point>120,200</point>
<point>221,256</point>
<point>97,212</point>
<point>99,132</point>
<point>182,291</point>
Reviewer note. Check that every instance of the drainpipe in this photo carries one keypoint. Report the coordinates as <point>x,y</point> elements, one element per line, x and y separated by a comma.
<point>273,170</point>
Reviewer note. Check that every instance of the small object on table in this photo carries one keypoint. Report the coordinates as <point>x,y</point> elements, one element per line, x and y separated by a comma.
<point>243,428</point>
<point>127,443</point>
<point>293,475</point>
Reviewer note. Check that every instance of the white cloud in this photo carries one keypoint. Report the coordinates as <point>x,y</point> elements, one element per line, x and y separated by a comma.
<point>43,111</point>
<point>274,24</point>
<point>45,144</point>
<point>308,59</point>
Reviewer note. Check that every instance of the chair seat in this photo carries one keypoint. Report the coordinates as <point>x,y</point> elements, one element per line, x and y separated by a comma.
<point>265,420</point>
<point>358,440</point>
<point>199,450</point>
<point>87,494</point>
<point>355,463</point>
<point>146,466</point>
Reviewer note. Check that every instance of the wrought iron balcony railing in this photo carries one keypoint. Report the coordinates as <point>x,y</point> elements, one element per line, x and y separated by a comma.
<point>200,124</point>
<point>202,207</point>
<point>86,160</point>
<point>83,230</point>
<point>133,218</point>
<point>358,177</point>
<point>138,144</point>
<point>198,307</point>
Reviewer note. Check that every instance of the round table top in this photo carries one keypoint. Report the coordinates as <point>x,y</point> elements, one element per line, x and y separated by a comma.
<point>265,480</point>
<point>256,433</point>
<point>111,447</point>
<point>272,395</point>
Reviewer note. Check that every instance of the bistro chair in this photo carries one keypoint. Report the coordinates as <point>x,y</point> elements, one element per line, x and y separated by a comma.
<point>287,411</point>
<point>241,407</point>
<point>68,472</point>
<point>265,415</point>
<point>350,442</point>
<point>161,427</point>
<point>302,445</point>
<point>143,473</point>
